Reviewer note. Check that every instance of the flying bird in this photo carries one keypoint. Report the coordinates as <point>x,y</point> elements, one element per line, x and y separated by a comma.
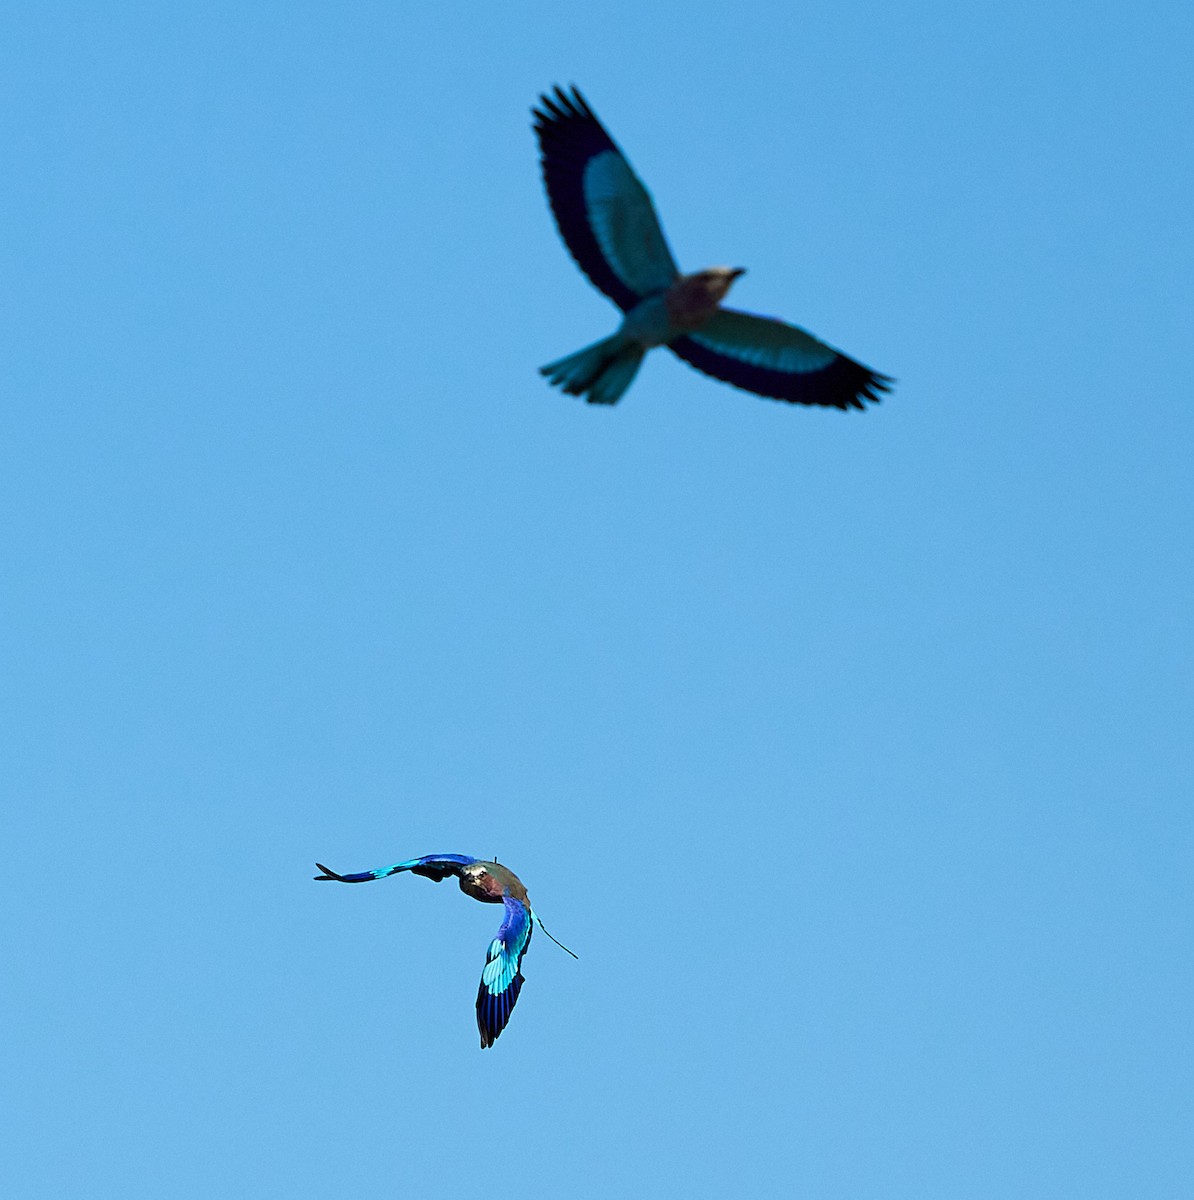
<point>608,223</point>
<point>491,883</point>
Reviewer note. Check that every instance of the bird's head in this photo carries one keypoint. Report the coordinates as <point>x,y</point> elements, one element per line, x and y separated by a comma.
<point>717,281</point>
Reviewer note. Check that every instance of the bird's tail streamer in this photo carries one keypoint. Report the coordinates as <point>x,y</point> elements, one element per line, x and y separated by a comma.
<point>561,945</point>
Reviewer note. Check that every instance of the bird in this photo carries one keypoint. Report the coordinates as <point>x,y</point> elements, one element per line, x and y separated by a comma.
<point>608,223</point>
<point>491,883</point>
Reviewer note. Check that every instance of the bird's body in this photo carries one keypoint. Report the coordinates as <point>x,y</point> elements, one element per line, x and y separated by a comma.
<point>608,223</point>
<point>491,883</point>
<point>682,307</point>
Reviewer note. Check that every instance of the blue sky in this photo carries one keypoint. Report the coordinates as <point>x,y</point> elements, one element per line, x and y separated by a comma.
<point>850,752</point>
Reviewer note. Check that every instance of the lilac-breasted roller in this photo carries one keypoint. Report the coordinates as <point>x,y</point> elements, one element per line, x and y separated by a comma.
<point>609,225</point>
<point>491,883</point>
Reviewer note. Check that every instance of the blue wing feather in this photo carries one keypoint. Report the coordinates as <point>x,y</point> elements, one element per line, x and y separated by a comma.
<point>777,360</point>
<point>501,980</point>
<point>604,213</point>
<point>431,866</point>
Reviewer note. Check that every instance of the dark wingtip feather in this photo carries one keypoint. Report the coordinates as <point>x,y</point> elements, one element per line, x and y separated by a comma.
<point>854,385</point>
<point>558,105</point>
<point>569,99</point>
<point>493,1012</point>
<point>582,103</point>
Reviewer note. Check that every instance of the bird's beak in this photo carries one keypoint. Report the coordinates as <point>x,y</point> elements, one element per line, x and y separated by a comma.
<point>737,271</point>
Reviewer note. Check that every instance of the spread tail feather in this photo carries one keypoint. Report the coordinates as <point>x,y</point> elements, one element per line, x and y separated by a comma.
<point>600,372</point>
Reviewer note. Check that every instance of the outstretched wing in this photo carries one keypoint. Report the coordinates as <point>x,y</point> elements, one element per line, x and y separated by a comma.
<point>432,866</point>
<point>770,358</point>
<point>604,213</point>
<point>501,981</point>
